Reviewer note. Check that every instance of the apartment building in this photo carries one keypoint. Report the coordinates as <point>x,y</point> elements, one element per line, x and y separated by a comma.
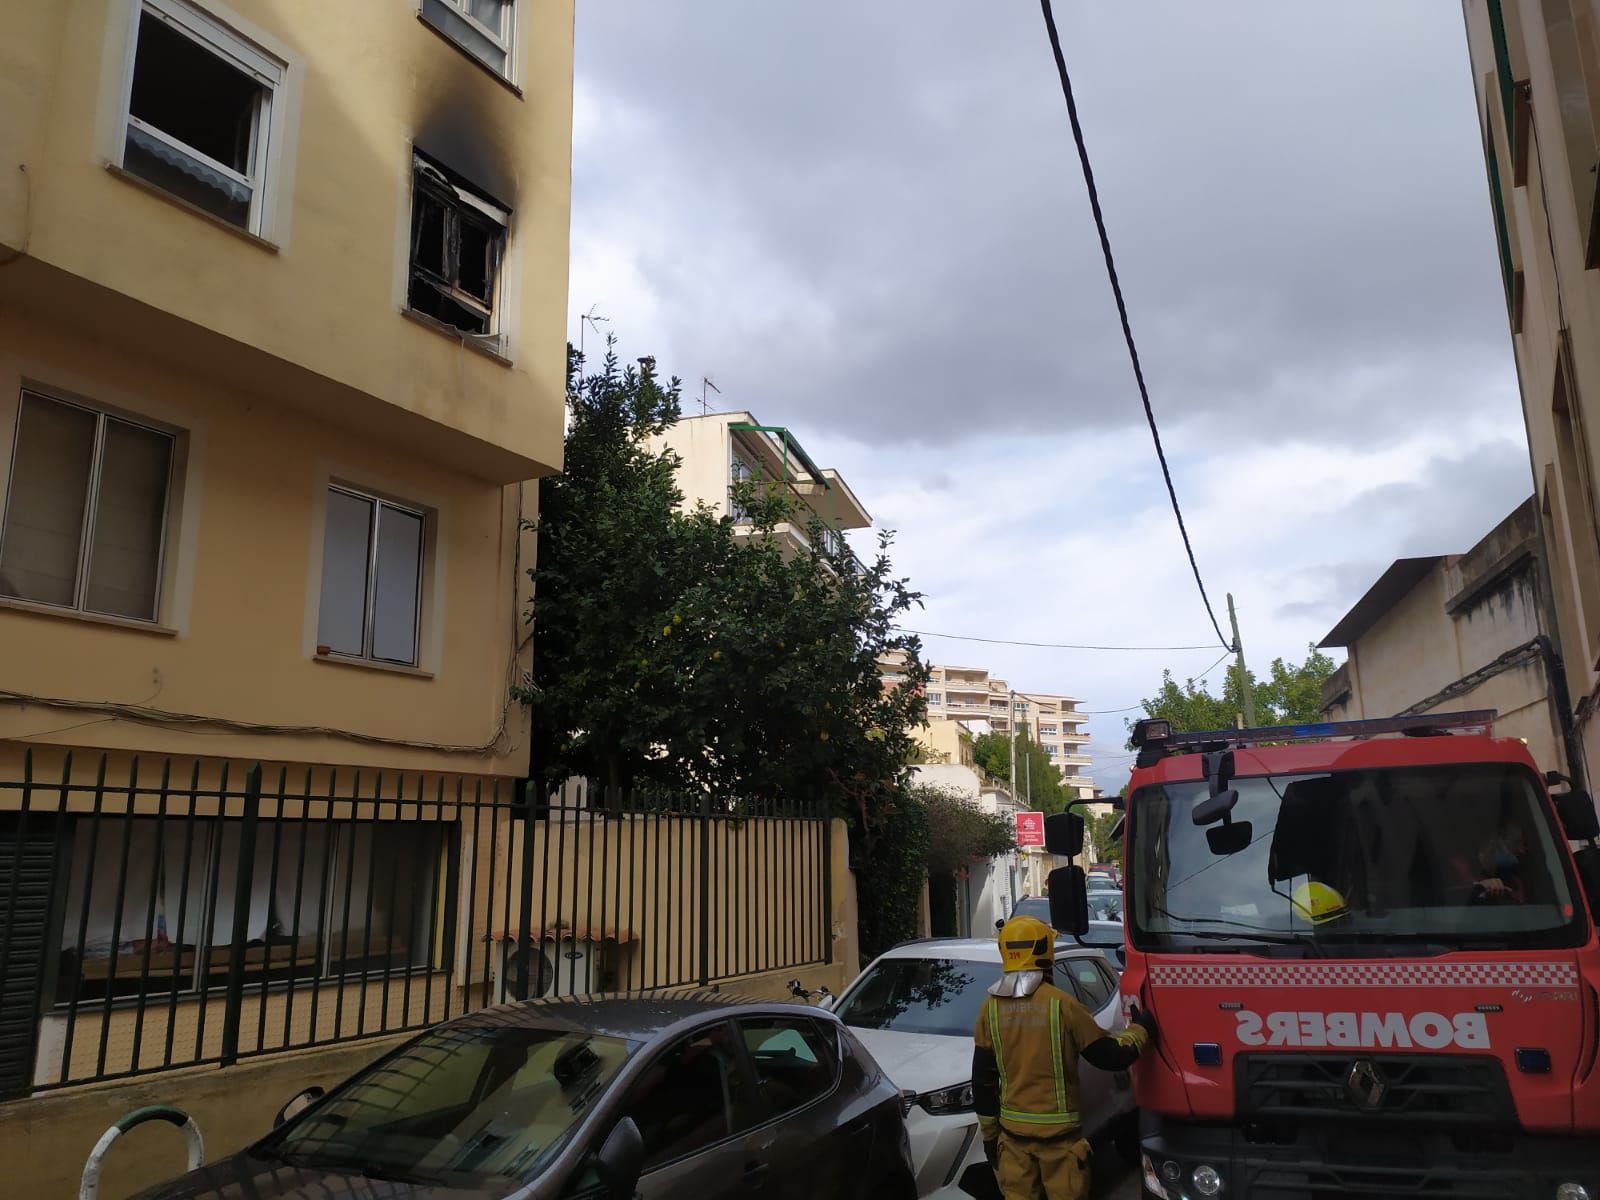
<point>1443,633</point>
<point>718,452</point>
<point>1053,721</point>
<point>282,309</point>
<point>1536,71</point>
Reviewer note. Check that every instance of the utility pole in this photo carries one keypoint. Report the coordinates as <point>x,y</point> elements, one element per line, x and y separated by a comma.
<point>1245,698</point>
<point>1011,724</point>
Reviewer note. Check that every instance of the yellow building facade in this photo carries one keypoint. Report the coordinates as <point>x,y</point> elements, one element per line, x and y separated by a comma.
<point>282,303</point>
<point>1536,72</point>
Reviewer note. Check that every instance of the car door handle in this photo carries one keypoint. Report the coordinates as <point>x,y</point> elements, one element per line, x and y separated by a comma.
<point>755,1173</point>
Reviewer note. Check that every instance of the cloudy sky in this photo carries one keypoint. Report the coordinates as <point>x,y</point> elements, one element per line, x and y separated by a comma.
<point>866,221</point>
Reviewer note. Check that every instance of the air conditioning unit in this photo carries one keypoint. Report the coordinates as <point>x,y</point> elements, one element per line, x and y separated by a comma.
<point>561,966</point>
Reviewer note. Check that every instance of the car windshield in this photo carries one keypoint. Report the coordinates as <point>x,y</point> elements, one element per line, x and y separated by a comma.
<point>919,995</point>
<point>1447,856</point>
<point>464,1106</point>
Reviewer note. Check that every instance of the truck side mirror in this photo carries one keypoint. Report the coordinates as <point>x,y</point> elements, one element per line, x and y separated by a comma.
<point>1069,900</point>
<point>1577,814</point>
<point>1063,834</point>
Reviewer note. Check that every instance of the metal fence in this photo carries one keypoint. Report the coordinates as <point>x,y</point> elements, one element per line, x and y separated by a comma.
<point>174,916</point>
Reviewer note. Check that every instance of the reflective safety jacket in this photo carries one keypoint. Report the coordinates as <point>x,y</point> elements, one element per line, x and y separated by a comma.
<point>1025,1061</point>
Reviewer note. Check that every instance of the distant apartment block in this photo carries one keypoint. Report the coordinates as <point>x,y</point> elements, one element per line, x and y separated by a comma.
<point>1053,721</point>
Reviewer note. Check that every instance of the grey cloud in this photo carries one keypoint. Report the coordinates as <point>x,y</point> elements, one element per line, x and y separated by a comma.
<point>1304,237</point>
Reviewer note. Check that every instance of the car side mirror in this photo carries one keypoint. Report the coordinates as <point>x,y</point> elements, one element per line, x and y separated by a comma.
<point>1069,901</point>
<point>1577,814</point>
<point>1063,834</point>
<point>298,1103</point>
<point>620,1159</point>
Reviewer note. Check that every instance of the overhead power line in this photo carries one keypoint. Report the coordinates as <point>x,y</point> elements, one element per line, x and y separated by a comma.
<point>1122,308</point>
<point>1101,712</point>
<point>957,637</point>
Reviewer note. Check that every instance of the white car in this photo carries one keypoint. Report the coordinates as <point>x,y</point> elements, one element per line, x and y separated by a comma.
<point>914,1009</point>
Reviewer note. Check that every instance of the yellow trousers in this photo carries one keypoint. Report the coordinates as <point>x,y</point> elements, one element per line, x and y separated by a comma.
<point>1043,1168</point>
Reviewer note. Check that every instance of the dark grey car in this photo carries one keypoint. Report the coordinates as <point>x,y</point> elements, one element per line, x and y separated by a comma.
<point>699,1095</point>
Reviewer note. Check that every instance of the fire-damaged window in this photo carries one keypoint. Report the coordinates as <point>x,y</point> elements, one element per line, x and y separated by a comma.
<point>199,113</point>
<point>458,238</point>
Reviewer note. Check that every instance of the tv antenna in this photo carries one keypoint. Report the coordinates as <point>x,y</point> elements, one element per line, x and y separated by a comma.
<point>705,404</point>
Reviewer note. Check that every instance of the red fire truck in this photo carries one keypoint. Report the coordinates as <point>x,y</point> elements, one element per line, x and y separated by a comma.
<point>1370,950</point>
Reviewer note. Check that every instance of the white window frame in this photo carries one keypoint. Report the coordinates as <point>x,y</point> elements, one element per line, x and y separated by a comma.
<point>505,42</point>
<point>91,507</point>
<point>368,629</point>
<point>239,52</point>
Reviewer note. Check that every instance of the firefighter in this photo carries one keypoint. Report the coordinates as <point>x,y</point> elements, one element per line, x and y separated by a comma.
<point>1028,1039</point>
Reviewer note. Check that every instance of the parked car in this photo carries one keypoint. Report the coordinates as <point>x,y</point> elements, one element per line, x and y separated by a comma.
<point>1105,904</point>
<point>914,1009</point>
<point>667,1097</point>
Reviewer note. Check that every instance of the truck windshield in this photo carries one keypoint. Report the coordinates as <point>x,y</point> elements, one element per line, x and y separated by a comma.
<point>1448,856</point>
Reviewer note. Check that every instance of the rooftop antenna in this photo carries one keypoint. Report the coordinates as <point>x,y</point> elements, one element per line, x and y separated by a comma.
<point>593,321</point>
<point>705,382</point>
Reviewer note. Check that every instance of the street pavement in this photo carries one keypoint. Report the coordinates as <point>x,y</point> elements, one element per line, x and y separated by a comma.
<point>1112,1180</point>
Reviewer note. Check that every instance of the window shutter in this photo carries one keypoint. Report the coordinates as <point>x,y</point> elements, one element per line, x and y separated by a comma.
<point>27,874</point>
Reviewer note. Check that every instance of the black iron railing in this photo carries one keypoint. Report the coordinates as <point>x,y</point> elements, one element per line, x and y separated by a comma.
<point>173,916</point>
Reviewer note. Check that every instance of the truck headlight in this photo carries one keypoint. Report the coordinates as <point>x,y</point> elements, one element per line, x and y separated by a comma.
<point>1206,1180</point>
<point>947,1101</point>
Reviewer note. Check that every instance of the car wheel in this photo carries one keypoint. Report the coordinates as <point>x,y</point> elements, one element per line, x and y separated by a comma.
<point>1125,1140</point>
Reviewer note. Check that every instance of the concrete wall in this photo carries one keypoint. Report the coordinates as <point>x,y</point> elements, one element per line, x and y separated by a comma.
<point>1543,153</point>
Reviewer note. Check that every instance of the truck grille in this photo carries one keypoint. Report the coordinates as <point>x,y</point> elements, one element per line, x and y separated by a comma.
<point>1331,1182</point>
<point>1436,1089</point>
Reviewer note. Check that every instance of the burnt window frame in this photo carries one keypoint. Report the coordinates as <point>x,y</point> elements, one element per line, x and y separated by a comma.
<point>461,204</point>
<point>215,37</point>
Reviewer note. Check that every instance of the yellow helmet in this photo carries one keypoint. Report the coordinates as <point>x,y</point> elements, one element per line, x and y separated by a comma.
<point>1319,903</point>
<point>1027,944</point>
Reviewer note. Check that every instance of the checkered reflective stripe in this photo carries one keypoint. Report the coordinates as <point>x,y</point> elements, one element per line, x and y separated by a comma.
<point>1365,974</point>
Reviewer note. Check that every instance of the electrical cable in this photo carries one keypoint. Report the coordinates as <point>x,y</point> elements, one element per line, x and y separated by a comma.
<point>1122,309</point>
<point>957,637</point>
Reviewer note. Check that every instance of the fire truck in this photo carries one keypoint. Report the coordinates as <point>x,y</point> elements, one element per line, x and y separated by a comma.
<point>1370,950</point>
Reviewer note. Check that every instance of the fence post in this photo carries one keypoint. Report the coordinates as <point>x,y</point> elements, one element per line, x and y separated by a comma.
<point>826,825</point>
<point>705,888</point>
<point>241,913</point>
<point>525,939</point>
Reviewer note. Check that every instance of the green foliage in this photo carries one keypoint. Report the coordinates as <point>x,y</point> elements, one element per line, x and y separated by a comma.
<point>673,656</point>
<point>1290,694</point>
<point>1039,778</point>
<point>890,875</point>
<point>1104,848</point>
<point>959,831</point>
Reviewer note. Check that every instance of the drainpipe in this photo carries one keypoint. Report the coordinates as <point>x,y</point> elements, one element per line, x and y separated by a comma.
<point>1562,699</point>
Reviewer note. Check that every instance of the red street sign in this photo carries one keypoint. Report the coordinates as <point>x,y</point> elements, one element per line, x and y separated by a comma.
<point>1030,829</point>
